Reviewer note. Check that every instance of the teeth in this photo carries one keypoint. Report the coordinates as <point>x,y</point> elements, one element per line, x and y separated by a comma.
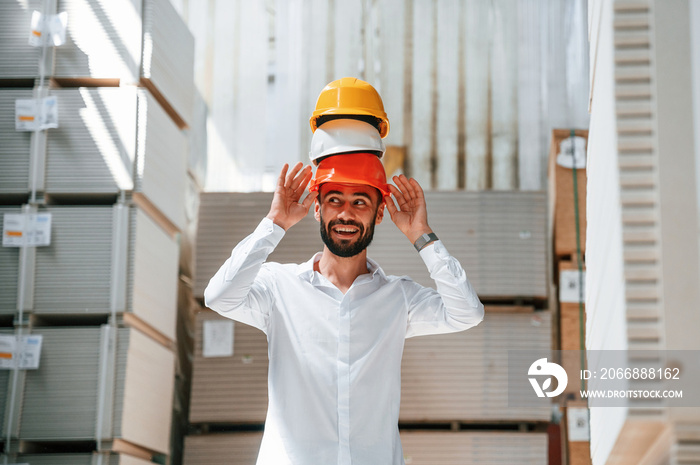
<point>347,230</point>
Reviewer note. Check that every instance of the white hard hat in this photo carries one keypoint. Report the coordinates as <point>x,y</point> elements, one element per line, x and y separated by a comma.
<point>345,135</point>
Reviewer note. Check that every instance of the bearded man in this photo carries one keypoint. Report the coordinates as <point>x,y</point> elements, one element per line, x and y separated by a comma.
<point>336,324</point>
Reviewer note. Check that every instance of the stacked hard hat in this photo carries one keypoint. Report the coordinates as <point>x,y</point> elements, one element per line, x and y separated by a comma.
<point>348,126</point>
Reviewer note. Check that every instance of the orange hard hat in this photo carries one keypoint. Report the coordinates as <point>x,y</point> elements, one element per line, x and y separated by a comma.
<point>355,168</point>
<point>352,97</point>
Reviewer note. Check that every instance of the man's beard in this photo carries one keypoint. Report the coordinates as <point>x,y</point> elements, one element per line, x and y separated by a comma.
<point>345,248</point>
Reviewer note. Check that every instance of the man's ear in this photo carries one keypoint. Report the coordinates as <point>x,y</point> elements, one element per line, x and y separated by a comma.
<point>317,210</point>
<point>380,212</point>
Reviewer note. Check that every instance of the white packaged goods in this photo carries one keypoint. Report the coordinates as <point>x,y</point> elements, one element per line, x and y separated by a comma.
<point>109,140</point>
<point>168,57</point>
<point>105,458</point>
<point>94,149</point>
<point>14,163</point>
<point>70,384</point>
<point>105,259</point>
<point>234,449</point>
<point>103,40</point>
<point>229,388</point>
<point>498,237</point>
<point>419,447</point>
<point>9,270</point>
<point>18,59</point>
<point>459,447</point>
<point>161,160</point>
<point>464,376</point>
<point>453,377</point>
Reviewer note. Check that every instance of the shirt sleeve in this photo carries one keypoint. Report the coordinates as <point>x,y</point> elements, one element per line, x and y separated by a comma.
<point>242,288</point>
<point>454,306</point>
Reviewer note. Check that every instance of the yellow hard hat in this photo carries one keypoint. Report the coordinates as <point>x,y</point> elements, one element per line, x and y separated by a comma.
<point>350,96</point>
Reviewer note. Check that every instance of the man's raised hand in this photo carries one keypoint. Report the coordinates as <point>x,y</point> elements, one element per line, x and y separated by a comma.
<point>286,211</point>
<point>411,216</point>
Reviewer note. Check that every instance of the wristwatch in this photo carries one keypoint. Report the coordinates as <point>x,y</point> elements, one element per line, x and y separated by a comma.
<point>424,240</point>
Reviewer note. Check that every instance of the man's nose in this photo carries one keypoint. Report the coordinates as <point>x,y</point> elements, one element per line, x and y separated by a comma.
<point>346,211</point>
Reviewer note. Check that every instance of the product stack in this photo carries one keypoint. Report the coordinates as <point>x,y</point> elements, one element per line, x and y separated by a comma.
<point>96,176</point>
<point>454,387</point>
<point>567,193</point>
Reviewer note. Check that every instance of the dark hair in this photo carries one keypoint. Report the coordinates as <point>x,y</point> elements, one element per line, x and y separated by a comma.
<point>373,120</point>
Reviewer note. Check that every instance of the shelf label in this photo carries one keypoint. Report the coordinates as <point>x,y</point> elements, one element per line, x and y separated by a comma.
<point>35,114</point>
<point>49,30</point>
<point>218,339</point>
<point>23,354</point>
<point>569,286</point>
<point>26,229</point>
<point>572,151</point>
<point>578,424</point>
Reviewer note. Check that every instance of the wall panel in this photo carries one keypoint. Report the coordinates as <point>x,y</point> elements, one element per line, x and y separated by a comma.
<point>463,82</point>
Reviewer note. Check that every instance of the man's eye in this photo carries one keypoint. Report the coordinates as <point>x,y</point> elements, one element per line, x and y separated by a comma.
<point>360,202</point>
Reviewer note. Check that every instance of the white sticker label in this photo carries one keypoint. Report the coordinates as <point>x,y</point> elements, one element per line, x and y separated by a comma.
<point>572,151</point>
<point>578,424</point>
<point>49,30</point>
<point>7,352</point>
<point>36,114</point>
<point>569,290</point>
<point>30,352</point>
<point>218,339</point>
<point>26,229</point>
<point>24,355</point>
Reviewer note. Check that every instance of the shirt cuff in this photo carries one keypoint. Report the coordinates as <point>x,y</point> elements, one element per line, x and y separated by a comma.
<point>433,254</point>
<point>269,231</point>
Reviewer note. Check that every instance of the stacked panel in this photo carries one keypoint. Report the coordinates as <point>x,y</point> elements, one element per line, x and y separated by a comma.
<point>168,58</point>
<point>460,378</point>
<point>230,389</point>
<point>103,40</point>
<point>63,399</point>
<point>118,263</point>
<point>18,59</point>
<point>461,447</point>
<point>419,448</point>
<point>161,168</point>
<point>78,273</point>
<point>14,162</point>
<point>80,459</point>
<point>464,376</point>
<point>5,387</point>
<point>445,378</point>
<point>499,237</point>
<point>226,218</point>
<point>98,150</point>
<point>117,41</point>
<point>9,270</point>
<point>233,449</point>
<point>93,149</point>
<point>153,274</point>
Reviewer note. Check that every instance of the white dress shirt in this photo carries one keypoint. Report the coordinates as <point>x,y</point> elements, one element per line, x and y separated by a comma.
<point>334,378</point>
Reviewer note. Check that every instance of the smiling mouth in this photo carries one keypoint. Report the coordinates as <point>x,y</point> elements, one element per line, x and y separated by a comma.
<point>345,231</point>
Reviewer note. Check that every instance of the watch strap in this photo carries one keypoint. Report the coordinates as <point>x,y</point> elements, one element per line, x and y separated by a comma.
<point>424,240</point>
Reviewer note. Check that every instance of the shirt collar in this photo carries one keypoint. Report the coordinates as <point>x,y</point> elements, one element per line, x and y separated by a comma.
<point>306,270</point>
